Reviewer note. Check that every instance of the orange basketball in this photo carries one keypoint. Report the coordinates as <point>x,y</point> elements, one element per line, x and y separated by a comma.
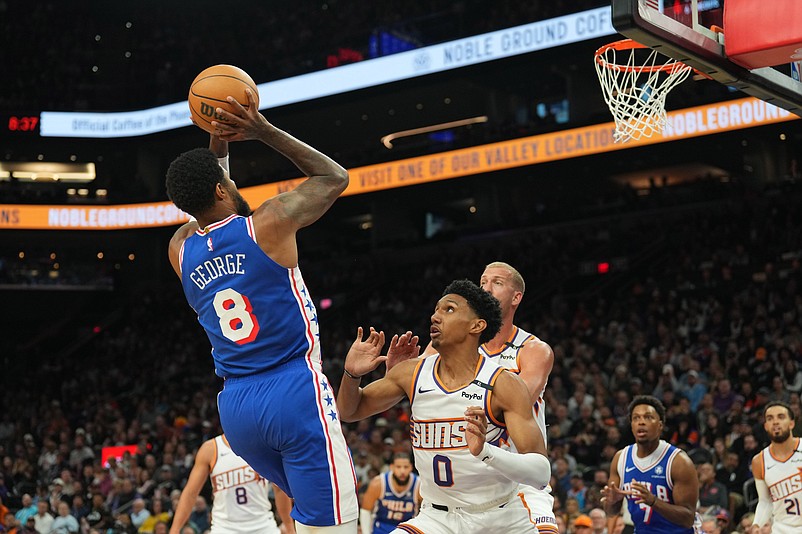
<point>210,89</point>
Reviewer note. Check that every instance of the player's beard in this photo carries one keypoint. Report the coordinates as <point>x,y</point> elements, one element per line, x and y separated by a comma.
<point>780,438</point>
<point>242,205</point>
<point>400,482</point>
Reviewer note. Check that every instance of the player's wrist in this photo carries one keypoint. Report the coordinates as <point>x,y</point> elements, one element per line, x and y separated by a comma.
<point>349,375</point>
<point>486,454</point>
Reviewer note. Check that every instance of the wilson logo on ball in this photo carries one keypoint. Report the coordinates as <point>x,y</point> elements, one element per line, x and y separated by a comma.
<point>208,111</point>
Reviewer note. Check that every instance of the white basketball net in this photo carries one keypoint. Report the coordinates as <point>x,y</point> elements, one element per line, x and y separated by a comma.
<point>636,92</point>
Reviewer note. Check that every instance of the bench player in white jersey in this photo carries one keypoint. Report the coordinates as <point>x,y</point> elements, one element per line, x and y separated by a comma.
<point>463,404</point>
<point>241,504</point>
<point>778,474</point>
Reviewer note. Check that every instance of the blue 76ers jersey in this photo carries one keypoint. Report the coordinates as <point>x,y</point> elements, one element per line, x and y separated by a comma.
<point>393,508</point>
<point>657,476</point>
<point>257,314</point>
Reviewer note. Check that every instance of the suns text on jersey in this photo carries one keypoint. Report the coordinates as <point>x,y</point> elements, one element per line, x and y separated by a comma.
<point>228,264</point>
<point>235,477</point>
<point>786,487</point>
<point>438,434</point>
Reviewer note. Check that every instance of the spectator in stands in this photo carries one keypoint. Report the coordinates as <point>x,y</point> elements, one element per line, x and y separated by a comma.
<point>64,523</point>
<point>778,391</point>
<point>792,376</point>
<point>693,389</point>
<point>724,397</point>
<point>157,513</point>
<point>139,512</point>
<point>577,490</point>
<point>28,509</point>
<point>79,508</point>
<point>43,521</point>
<point>200,516</point>
<point>123,499</point>
<point>81,452</point>
<point>598,518</point>
<point>710,526</point>
<point>9,523</point>
<point>99,516</point>
<point>711,493</point>
<point>29,527</point>
<point>733,474</point>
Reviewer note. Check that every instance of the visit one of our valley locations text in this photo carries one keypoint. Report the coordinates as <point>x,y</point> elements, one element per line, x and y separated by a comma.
<point>682,124</point>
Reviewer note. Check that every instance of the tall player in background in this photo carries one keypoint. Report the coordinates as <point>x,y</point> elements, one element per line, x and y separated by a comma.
<point>240,274</point>
<point>391,498</point>
<point>530,358</point>
<point>241,503</point>
<point>778,474</point>
<point>658,480</point>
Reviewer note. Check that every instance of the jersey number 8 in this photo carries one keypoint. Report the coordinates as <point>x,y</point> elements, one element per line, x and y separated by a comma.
<point>237,323</point>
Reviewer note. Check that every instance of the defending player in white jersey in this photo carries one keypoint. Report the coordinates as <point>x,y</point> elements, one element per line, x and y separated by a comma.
<point>778,474</point>
<point>530,358</point>
<point>241,503</point>
<point>462,405</point>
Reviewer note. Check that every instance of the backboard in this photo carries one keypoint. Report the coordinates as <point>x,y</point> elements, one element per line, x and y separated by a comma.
<point>681,29</point>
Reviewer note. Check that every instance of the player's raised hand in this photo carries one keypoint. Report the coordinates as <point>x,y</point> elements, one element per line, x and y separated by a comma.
<point>476,429</point>
<point>243,124</point>
<point>612,494</point>
<point>365,355</point>
<point>402,348</point>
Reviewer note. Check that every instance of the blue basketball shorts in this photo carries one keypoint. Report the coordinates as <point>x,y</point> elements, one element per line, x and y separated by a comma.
<point>284,422</point>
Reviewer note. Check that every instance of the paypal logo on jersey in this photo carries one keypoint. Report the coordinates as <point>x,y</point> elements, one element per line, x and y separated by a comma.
<point>471,396</point>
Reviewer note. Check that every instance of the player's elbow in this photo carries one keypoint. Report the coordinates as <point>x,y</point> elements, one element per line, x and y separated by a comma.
<point>341,178</point>
<point>688,519</point>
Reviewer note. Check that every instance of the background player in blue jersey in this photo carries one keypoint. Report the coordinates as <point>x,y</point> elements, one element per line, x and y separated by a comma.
<point>657,480</point>
<point>240,274</point>
<point>391,498</point>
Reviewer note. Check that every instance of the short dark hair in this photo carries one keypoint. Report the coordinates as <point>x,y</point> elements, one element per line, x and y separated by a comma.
<point>191,179</point>
<point>483,304</point>
<point>785,405</point>
<point>401,456</point>
<point>654,402</point>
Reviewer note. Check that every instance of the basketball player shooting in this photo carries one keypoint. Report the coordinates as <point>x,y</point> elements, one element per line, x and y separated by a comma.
<point>239,271</point>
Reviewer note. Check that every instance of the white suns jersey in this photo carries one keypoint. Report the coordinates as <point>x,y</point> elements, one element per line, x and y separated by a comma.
<point>784,479</point>
<point>508,358</point>
<point>450,474</point>
<point>241,502</point>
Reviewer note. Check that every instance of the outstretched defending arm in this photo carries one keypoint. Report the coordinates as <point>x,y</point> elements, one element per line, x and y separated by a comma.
<point>356,403</point>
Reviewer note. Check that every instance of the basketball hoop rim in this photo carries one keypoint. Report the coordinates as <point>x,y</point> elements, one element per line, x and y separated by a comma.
<point>671,66</point>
